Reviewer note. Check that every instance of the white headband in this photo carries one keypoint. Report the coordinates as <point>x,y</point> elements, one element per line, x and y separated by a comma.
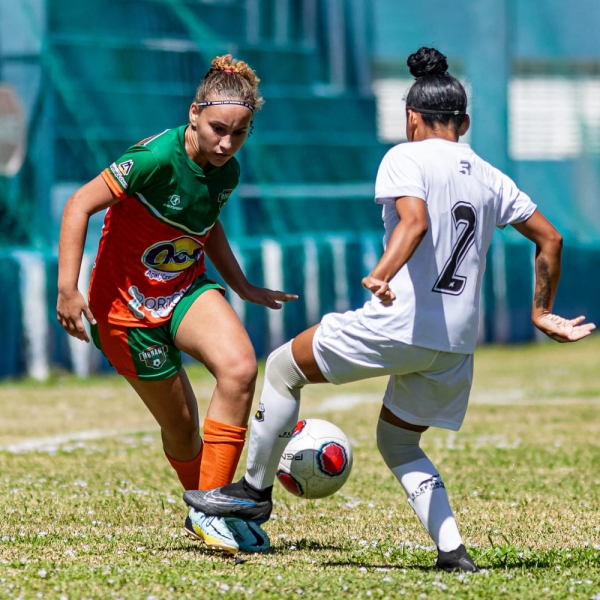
<point>238,102</point>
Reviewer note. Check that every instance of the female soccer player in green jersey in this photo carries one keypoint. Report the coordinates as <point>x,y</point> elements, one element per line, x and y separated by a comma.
<point>150,299</point>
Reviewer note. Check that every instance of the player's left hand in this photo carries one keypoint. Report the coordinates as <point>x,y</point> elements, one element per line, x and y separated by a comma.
<point>380,289</point>
<point>266,297</point>
<point>563,330</point>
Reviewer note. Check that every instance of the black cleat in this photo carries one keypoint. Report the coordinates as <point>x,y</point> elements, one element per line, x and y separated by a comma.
<point>238,500</point>
<point>456,560</point>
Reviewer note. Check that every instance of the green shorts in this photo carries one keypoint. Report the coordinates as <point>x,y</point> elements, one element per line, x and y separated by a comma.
<point>149,352</point>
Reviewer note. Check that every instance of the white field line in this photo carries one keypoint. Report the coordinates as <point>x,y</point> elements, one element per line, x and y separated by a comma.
<point>515,401</point>
<point>47,443</point>
<point>506,398</point>
<point>339,402</point>
<point>346,402</point>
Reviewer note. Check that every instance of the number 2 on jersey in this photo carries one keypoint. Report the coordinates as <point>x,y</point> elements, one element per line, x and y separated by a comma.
<point>449,282</point>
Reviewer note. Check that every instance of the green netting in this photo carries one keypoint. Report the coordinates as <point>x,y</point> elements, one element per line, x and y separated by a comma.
<point>100,75</point>
<point>313,162</point>
<point>115,74</point>
<point>159,18</point>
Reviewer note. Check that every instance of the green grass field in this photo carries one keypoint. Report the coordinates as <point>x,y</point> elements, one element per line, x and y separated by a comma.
<point>91,509</point>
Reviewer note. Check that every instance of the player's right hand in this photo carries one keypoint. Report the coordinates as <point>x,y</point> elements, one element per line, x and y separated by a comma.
<point>69,308</point>
<point>380,289</point>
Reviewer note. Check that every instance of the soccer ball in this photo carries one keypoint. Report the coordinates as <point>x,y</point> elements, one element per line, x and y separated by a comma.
<point>317,460</point>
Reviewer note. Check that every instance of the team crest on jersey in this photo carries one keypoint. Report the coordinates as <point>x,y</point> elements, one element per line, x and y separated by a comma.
<point>223,197</point>
<point>155,356</point>
<point>125,167</point>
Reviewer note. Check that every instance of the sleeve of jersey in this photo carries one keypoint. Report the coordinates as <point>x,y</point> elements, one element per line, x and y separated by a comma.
<point>131,173</point>
<point>515,206</point>
<point>398,175</point>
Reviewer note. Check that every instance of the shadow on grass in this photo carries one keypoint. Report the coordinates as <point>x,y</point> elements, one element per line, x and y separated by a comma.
<point>288,546</point>
<point>513,557</point>
<point>526,565</point>
<point>305,544</point>
<point>498,558</point>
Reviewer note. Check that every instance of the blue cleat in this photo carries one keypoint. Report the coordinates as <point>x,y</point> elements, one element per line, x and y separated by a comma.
<point>249,536</point>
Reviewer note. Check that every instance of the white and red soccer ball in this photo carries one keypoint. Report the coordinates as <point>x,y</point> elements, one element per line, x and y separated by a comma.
<point>317,460</point>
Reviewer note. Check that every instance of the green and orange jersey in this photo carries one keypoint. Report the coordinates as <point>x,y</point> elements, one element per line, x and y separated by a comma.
<point>152,244</point>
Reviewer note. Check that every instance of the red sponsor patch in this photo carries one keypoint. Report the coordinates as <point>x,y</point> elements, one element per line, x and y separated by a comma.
<point>332,459</point>
<point>289,483</point>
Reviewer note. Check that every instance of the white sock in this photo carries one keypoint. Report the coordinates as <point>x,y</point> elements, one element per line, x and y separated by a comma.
<point>427,497</point>
<point>276,417</point>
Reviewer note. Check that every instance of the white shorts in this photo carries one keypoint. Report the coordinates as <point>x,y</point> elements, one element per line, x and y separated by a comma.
<point>426,387</point>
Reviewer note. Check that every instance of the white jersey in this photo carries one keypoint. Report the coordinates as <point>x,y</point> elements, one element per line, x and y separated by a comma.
<point>438,290</point>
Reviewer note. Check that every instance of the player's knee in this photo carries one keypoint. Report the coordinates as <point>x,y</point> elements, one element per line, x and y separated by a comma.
<point>283,373</point>
<point>240,370</point>
<point>398,446</point>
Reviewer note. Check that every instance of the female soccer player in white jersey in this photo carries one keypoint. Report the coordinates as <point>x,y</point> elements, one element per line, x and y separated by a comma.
<point>441,204</point>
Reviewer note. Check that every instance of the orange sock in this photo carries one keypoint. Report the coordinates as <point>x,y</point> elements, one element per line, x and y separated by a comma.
<point>188,471</point>
<point>223,445</point>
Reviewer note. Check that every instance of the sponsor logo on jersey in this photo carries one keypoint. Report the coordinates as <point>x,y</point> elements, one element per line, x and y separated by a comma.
<point>125,167</point>
<point>155,356</point>
<point>223,197</point>
<point>135,305</point>
<point>159,306</point>
<point>171,257</point>
<point>154,275</point>
<point>174,203</point>
<point>118,175</point>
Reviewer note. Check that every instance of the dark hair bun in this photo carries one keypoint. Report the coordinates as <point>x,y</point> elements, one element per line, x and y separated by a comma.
<point>427,61</point>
